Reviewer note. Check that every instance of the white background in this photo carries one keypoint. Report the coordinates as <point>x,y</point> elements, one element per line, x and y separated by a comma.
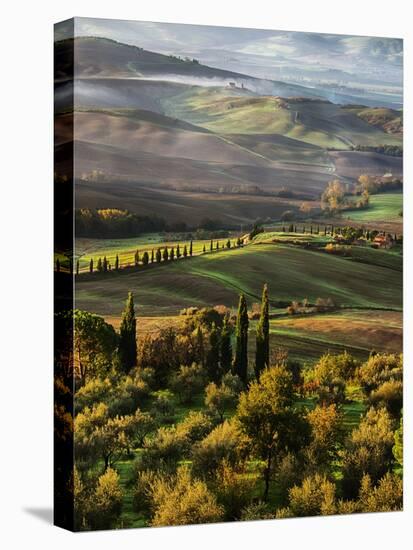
<point>26,284</point>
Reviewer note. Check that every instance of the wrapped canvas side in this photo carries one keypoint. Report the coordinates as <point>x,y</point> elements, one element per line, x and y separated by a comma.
<point>63,277</point>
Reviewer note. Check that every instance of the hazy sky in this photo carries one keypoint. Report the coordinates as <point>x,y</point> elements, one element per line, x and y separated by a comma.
<point>263,53</point>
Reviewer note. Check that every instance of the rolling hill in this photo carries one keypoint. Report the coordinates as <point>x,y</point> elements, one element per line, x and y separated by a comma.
<point>292,274</point>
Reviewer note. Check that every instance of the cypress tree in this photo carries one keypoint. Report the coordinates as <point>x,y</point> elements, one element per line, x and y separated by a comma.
<point>117,263</point>
<point>105,264</point>
<point>262,353</point>
<point>91,265</point>
<point>145,258</point>
<point>152,256</point>
<point>190,248</point>
<point>137,258</point>
<point>211,245</point>
<point>200,348</point>
<point>57,265</point>
<point>186,252</point>
<point>217,245</point>
<point>204,250</point>
<point>165,254</point>
<point>172,254</point>
<point>99,266</point>
<point>77,267</point>
<point>226,346</point>
<point>178,252</point>
<point>127,336</point>
<point>228,243</point>
<point>158,256</point>
<point>212,356</point>
<point>240,364</point>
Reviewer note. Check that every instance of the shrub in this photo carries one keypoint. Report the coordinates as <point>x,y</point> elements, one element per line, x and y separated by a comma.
<point>187,382</point>
<point>387,496</point>
<point>388,395</point>
<point>107,502</point>
<point>195,426</point>
<point>314,497</point>
<point>369,451</point>
<point>179,500</point>
<point>219,399</point>
<point>378,369</point>
<point>234,490</point>
<point>163,408</point>
<point>256,511</point>
<point>163,450</point>
<point>225,442</point>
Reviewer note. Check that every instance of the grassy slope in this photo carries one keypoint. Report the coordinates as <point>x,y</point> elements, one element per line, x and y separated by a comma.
<point>317,123</point>
<point>292,273</point>
<point>126,248</point>
<point>359,332</point>
<point>383,207</point>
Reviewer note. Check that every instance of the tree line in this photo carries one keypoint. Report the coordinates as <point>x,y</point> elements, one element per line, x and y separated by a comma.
<point>155,256</point>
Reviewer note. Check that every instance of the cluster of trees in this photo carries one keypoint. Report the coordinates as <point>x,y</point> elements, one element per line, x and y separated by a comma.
<point>392,150</point>
<point>118,223</point>
<point>115,223</point>
<point>248,434</point>
<point>367,183</point>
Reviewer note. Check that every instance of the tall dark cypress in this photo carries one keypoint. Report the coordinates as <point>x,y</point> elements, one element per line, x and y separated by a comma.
<point>212,356</point>
<point>91,265</point>
<point>262,352</point>
<point>127,336</point>
<point>190,248</point>
<point>226,346</point>
<point>199,346</point>
<point>117,263</point>
<point>240,364</point>
<point>137,258</point>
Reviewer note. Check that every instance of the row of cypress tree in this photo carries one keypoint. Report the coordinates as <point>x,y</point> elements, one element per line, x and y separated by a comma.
<point>262,350</point>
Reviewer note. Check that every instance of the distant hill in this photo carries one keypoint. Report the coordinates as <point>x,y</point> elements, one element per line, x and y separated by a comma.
<point>105,58</point>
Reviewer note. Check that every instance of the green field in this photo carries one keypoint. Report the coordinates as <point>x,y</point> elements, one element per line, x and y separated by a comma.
<point>314,122</point>
<point>292,273</point>
<point>383,207</point>
<point>86,249</point>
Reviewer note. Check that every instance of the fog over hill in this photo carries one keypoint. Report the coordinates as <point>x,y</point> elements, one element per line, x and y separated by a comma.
<point>339,67</point>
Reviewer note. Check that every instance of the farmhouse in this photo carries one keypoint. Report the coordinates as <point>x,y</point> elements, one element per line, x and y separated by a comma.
<point>383,241</point>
